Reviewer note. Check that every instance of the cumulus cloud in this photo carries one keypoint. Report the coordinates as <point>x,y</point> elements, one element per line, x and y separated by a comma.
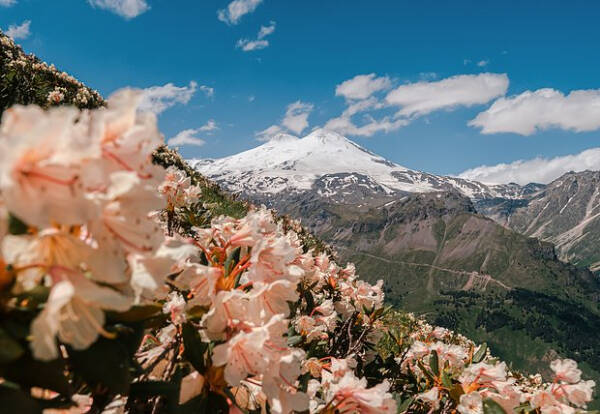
<point>421,98</point>
<point>483,63</point>
<point>345,126</point>
<point>296,116</point>
<point>210,126</point>
<point>7,3</point>
<point>157,99</point>
<point>362,86</point>
<point>19,32</point>
<point>295,120</point>
<point>546,108</point>
<point>267,134</point>
<point>127,9</point>
<point>236,10</point>
<point>248,45</point>
<point>186,137</point>
<point>538,170</point>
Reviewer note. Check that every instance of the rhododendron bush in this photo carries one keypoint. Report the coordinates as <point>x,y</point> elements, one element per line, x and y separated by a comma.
<point>118,295</point>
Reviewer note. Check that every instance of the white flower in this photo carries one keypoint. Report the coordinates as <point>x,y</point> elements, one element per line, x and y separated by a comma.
<point>566,370</point>
<point>470,404</point>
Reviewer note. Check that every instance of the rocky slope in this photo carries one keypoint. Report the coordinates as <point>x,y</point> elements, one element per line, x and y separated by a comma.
<point>566,213</point>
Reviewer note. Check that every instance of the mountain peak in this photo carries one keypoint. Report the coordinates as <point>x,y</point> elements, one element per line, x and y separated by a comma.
<point>327,137</point>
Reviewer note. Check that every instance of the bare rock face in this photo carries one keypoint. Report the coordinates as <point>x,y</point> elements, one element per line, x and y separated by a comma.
<point>566,213</point>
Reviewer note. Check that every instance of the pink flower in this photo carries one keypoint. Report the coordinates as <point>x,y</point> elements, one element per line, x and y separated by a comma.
<point>230,309</point>
<point>431,397</point>
<point>272,299</point>
<point>74,313</point>
<point>578,394</point>
<point>483,373</point>
<point>566,370</point>
<point>470,404</point>
<point>41,165</point>
<point>279,383</point>
<point>242,355</point>
<point>175,307</point>
<point>271,260</point>
<point>352,393</point>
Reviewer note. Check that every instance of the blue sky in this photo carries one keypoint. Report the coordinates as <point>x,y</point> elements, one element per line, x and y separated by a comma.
<point>317,45</point>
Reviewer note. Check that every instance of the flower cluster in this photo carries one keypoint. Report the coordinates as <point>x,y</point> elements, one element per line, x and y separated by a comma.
<point>452,372</point>
<point>81,186</point>
<point>238,315</point>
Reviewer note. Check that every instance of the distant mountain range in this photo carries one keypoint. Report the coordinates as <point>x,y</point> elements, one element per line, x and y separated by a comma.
<point>456,250</point>
<point>565,212</point>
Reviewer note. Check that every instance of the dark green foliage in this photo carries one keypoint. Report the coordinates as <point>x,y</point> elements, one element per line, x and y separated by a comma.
<point>25,79</point>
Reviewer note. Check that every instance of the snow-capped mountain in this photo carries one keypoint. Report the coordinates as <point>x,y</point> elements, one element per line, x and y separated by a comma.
<point>326,168</point>
<point>327,162</point>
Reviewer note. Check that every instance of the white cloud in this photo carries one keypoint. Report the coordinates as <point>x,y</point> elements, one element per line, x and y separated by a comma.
<point>296,116</point>
<point>186,137</point>
<point>248,45</point>
<point>260,42</point>
<point>127,9</point>
<point>207,90</point>
<point>210,126</point>
<point>19,32</point>
<point>344,125</point>
<point>362,86</point>
<point>157,99</point>
<point>537,170</point>
<point>7,3</point>
<point>236,9</point>
<point>267,134</point>
<point>266,30</point>
<point>546,108</point>
<point>295,120</point>
<point>483,63</point>
<point>421,98</point>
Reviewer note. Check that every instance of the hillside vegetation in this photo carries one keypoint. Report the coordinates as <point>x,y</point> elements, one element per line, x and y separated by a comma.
<point>130,287</point>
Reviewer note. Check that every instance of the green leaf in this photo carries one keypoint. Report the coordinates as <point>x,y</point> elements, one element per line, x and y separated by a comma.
<point>294,340</point>
<point>424,369</point>
<point>492,407</point>
<point>10,349</point>
<point>446,380</point>
<point>194,349</point>
<point>434,363</point>
<point>480,353</point>
<point>403,404</point>
<point>232,260</point>
<point>15,400</point>
<point>16,226</point>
